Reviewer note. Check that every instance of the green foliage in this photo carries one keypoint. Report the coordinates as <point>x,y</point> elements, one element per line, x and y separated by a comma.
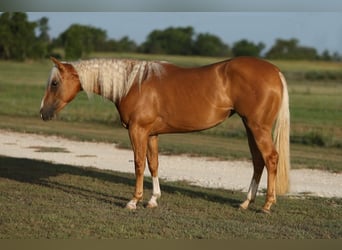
<point>124,44</point>
<point>170,41</point>
<point>21,39</point>
<point>247,48</point>
<point>79,40</point>
<point>290,49</point>
<point>310,138</point>
<point>182,41</point>
<point>315,75</point>
<point>210,45</point>
<point>18,40</point>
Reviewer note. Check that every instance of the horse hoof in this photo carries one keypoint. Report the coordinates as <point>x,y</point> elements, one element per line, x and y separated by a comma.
<point>244,205</point>
<point>131,205</point>
<point>242,208</point>
<point>152,204</point>
<point>265,211</point>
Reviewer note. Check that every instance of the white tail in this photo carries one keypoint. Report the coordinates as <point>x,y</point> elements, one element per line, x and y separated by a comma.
<point>281,139</point>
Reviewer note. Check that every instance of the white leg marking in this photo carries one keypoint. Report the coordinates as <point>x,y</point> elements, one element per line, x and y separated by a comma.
<point>156,193</point>
<point>156,187</point>
<point>253,188</point>
<point>132,205</point>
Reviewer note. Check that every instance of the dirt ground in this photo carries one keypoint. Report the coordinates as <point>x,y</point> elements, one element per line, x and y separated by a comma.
<point>195,170</point>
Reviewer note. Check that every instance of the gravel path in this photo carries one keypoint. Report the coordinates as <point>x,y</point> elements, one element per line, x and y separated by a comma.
<point>196,170</point>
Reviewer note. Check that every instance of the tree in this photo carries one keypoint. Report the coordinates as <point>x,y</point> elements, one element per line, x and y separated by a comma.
<point>126,45</point>
<point>325,56</point>
<point>210,45</point>
<point>43,27</point>
<point>17,36</point>
<point>42,47</point>
<point>6,36</point>
<point>169,41</point>
<point>247,48</point>
<point>336,57</point>
<point>79,40</point>
<point>290,49</point>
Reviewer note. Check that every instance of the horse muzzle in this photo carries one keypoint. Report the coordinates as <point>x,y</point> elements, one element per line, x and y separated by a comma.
<point>47,113</point>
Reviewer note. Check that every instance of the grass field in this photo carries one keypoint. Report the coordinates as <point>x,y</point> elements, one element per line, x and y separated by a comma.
<point>40,200</point>
<point>43,200</point>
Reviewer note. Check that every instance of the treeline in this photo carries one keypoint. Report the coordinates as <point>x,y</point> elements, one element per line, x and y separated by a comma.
<point>21,39</point>
<point>18,38</point>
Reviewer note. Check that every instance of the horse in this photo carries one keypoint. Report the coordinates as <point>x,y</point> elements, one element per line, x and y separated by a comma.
<point>157,97</point>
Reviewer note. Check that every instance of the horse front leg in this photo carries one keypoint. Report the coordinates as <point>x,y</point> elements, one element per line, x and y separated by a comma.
<point>152,159</point>
<point>138,137</point>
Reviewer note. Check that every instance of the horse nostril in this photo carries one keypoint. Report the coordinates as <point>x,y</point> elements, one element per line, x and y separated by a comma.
<point>44,115</point>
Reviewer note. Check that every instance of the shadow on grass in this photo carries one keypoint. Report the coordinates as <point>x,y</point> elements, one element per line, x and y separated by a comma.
<point>38,172</point>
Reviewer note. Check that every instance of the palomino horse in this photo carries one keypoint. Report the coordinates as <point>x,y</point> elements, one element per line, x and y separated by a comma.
<point>158,97</point>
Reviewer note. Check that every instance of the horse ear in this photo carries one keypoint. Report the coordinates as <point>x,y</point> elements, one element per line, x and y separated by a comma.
<point>58,64</point>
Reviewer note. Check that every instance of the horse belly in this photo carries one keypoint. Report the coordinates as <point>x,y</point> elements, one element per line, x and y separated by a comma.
<point>195,118</point>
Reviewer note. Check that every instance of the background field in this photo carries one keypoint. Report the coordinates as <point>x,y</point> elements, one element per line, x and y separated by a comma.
<point>44,200</point>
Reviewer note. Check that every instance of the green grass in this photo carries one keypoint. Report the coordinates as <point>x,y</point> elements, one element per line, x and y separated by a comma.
<point>41,200</point>
<point>316,113</point>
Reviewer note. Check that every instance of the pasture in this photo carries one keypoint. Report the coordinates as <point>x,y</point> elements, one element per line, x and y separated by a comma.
<point>40,200</point>
<point>43,200</point>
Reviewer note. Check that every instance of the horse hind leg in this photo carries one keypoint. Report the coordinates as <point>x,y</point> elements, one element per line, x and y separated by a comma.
<point>152,159</point>
<point>258,165</point>
<point>263,140</point>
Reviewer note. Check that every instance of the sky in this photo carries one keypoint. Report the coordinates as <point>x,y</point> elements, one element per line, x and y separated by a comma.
<point>321,30</point>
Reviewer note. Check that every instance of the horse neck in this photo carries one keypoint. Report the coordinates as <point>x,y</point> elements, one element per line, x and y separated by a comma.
<point>113,78</point>
<point>110,78</point>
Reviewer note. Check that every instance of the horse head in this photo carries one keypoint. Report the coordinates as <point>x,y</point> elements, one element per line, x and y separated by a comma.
<point>62,87</point>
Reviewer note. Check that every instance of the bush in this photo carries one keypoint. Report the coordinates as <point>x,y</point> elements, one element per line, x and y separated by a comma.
<point>323,76</point>
<point>314,138</point>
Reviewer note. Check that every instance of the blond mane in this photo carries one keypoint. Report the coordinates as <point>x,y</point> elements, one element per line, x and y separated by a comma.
<point>114,77</point>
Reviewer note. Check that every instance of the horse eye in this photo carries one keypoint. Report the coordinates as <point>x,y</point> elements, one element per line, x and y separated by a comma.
<point>54,83</point>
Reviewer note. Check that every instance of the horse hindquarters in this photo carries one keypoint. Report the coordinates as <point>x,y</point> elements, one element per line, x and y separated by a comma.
<point>259,102</point>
